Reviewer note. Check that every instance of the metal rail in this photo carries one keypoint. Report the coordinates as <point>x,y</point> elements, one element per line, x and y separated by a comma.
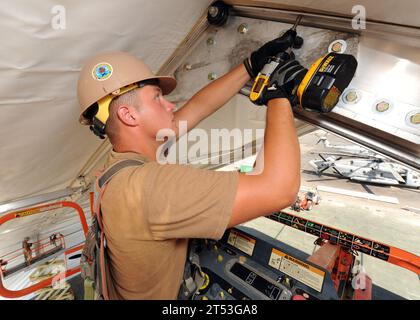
<point>351,241</point>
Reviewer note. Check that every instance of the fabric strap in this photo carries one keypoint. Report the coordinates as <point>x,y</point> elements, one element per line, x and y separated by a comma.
<point>102,181</point>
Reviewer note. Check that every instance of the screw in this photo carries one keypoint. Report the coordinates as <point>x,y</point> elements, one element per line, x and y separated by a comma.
<point>382,106</point>
<point>210,41</point>
<point>212,76</point>
<point>351,96</point>
<point>415,119</point>
<point>213,11</point>
<point>337,47</point>
<point>187,66</point>
<point>243,28</point>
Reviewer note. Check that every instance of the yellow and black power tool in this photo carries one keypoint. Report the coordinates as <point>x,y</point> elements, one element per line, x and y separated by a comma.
<point>325,81</point>
<point>262,80</point>
<point>322,85</point>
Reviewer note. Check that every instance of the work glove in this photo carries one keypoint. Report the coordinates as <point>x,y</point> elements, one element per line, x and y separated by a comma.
<point>260,57</point>
<point>284,82</point>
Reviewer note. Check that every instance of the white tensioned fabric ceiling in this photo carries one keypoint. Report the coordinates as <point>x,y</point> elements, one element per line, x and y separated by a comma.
<point>44,46</point>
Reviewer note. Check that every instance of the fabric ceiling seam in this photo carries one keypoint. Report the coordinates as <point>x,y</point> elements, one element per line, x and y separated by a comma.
<point>170,65</point>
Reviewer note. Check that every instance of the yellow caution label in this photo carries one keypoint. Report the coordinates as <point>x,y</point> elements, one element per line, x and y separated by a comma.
<point>297,269</point>
<point>242,242</point>
<point>36,210</point>
<point>27,213</point>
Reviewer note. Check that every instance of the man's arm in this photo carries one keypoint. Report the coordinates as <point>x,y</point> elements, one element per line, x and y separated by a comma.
<point>216,94</point>
<point>212,97</point>
<point>276,187</point>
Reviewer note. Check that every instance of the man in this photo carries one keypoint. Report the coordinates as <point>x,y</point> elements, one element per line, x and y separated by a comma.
<point>3,265</point>
<point>53,239</point>
<point>151,210</point>
<point>27,251</point>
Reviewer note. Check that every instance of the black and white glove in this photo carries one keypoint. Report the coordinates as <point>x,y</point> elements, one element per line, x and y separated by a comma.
<point>284,82</point>
<point>260,57</point>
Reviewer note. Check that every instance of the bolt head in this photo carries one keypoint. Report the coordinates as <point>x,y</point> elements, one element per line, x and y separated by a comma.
<point>415,119</point>
<point>243,28</point>
<point>210,41</point>
<point>213,11</point>
<point>382,106</point>
<point>212,76</point>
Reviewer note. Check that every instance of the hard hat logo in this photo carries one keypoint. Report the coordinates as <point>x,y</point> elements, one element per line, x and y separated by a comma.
<point>102,71</point>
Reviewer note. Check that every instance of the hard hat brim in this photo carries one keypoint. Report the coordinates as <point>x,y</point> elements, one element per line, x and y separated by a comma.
<point>167,84</point>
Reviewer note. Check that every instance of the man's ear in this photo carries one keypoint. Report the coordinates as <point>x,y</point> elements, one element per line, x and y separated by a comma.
<point>128,115</point>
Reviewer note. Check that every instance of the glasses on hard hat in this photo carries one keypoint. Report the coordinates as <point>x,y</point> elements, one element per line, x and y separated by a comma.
<point>99,111</point>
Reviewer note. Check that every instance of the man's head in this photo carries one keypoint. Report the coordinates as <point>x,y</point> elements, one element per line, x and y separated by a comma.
<point>141,112</point>
<point>113,89</point>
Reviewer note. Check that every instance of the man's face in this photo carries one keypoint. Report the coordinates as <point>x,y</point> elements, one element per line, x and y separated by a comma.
<point>156,112</point>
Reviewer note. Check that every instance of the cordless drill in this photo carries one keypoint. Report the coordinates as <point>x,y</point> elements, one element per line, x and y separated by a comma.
<point>317,88</point>
<point>263,78</point>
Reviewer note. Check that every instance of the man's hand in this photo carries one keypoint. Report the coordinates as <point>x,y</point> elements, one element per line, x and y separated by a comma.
<point>284,82</point>
<point>259,58</point>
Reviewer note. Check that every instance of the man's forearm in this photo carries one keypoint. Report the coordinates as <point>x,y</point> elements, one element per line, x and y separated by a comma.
<point>276,187</point>
<point>213,96</point>
<point>217,93</point>
<point>281,147</point>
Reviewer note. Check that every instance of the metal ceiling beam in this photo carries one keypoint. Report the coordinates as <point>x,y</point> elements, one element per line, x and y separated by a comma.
<point>408,35</point>
<point>404,152</point>
<point>367,137</point>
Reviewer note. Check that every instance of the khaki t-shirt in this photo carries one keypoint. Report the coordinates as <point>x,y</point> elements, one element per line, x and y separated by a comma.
<point>150,212</point>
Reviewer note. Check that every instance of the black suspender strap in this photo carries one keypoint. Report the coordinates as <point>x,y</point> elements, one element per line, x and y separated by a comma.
<point>114,169</point>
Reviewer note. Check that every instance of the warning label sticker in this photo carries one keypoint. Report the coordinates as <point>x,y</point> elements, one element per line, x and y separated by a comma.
<point>297,269</point>
<point>242,242</point>
<point>29,212</point>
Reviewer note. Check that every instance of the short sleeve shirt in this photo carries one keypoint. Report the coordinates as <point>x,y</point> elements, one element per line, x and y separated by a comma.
<point>149,213</point>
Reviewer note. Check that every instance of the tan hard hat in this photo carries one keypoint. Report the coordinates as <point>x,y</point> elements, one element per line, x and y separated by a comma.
<point>108,75</point>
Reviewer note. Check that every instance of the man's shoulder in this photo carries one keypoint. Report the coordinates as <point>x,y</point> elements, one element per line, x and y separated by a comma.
<point>153,174</point>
